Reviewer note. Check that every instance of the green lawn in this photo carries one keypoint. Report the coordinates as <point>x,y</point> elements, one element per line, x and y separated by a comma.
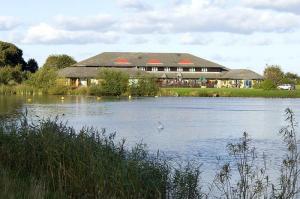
<point>298,87</point>
<point>229,92</point>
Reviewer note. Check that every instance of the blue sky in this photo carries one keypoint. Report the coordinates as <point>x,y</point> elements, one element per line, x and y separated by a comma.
<point>237,34</point>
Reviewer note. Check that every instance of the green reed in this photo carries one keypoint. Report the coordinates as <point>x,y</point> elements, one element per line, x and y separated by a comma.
<point>52,159</point>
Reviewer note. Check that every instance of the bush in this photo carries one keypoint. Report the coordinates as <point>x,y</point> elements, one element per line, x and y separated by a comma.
<point>96,90</point>
<point>144,86</point>
<point>268,85</point>
<point>80,91</point>
<point>115,83</point>
<point>59,90</point>
<point>44,78</point>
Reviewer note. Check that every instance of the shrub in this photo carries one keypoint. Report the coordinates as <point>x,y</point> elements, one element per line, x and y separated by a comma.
<point>144,86</point>
<point>44,78</point>
<point>59,90</point>
<point>96,90</point>
<point>268,85</point>
<point>114,82</point>
<point>80,91</point>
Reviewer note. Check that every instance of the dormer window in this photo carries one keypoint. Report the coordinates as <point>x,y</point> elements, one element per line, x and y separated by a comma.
<point>154,61</point>
<point>185,62</point>
<point>121,61</point>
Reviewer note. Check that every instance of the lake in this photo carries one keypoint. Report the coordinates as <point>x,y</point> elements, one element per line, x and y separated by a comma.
<point>183,127</point>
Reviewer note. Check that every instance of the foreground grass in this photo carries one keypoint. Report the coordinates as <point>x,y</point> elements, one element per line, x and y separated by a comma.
<point>48,159</point>
<point>229,92</point>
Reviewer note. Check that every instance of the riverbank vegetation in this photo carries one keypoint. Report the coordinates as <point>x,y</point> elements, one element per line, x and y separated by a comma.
<point>228,92</point>
<point>49,159</point>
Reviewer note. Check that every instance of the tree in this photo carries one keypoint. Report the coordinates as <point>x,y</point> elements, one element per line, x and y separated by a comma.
<point>11,55</point>
<point>291,78</point>
<point>32,65</point>
<point>59,61</point>
<point>11,75</point>
<point>274,73</point>
<point>290,75</point>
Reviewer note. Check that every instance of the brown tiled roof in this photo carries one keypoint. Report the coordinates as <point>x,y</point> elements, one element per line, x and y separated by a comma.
<point>242,74</point>
<point>93,72</point>
<point>125,59</point>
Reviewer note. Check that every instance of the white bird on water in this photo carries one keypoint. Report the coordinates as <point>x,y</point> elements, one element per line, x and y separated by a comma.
<point>160,126</point>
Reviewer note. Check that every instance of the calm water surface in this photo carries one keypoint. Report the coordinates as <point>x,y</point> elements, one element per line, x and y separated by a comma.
<point>186,127</point>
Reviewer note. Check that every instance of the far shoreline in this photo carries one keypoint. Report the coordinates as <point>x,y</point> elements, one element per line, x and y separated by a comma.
<point>166,92</point>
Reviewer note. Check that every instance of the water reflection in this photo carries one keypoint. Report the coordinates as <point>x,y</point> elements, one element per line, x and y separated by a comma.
<point>10,107</point>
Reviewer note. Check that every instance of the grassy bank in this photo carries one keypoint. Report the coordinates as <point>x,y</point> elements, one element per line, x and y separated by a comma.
<point>229,92</point>
<point>186,92</point>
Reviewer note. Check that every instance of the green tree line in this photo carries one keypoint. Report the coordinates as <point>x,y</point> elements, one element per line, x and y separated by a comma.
<point>275,76</point>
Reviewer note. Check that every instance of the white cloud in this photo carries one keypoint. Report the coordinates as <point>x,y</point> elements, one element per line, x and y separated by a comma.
<point>194,22</point>
<point>138,5</point>
<point>8,23</point>
<point>283,5</point>
<point>144,24</point>
<point>139,40</point>
<point>98,22</point>
<point>206,16</point>
<point>189,39</point>
<point>46,34</point>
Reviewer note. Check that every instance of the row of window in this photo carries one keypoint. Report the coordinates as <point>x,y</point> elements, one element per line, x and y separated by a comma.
<point>175,69</point>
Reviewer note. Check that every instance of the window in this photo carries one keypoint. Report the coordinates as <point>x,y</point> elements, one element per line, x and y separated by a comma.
<point>160,68</point>
<point>173,69</point>
<point>154,69</point>
<point>198,69</point>
<point>192,69</point>
<point>186,69</point>
<point>179,69</point>
<point>204,70</point>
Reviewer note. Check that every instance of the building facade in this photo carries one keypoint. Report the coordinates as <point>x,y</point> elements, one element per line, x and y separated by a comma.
<point>171,69</point>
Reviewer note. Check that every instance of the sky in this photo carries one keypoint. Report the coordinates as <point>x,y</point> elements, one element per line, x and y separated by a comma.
<point>235,33</point>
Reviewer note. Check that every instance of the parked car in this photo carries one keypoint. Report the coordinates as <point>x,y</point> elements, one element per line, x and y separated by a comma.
<point>286,87</point>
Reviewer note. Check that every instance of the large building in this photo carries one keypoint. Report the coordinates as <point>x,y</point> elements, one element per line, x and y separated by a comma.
<point>171,69</point>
